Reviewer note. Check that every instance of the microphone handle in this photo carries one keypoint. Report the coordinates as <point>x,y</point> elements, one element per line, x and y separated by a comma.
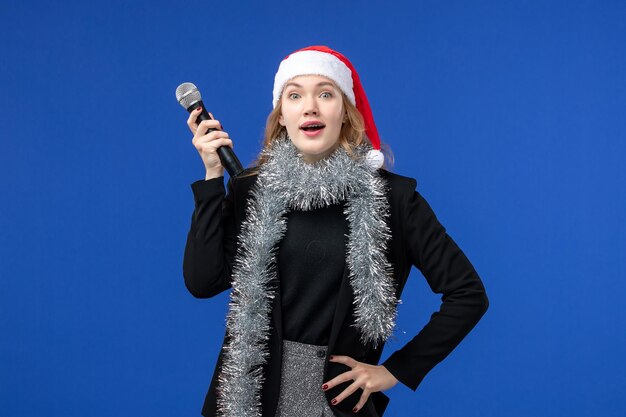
<point>227,157</point>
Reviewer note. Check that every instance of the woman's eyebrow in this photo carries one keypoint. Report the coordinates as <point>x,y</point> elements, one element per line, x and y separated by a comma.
<point>320,84</point>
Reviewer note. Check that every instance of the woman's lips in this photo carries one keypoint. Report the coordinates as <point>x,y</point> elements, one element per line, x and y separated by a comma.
<point>312,132</point>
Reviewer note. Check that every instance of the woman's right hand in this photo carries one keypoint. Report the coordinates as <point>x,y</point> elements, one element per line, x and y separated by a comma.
<point>207,143</point>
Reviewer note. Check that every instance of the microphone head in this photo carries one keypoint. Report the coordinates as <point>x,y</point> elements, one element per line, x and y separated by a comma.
<point>187,94</point>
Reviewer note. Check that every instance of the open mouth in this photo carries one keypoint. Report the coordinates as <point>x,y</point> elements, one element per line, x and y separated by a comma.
<point>312,128</point>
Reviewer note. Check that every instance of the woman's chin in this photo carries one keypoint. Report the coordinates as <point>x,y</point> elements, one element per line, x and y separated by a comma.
<point>314,148</point>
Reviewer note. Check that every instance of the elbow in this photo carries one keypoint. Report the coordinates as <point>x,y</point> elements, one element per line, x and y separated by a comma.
<point>193,285</point>
<point>478,304</point>
<point>477,309</point>
<point>480,299</point>
<point>200,291</point>
<point>201,285</point>
<point>484,304</point>
<point>197,291</point>
<point>481,304</point>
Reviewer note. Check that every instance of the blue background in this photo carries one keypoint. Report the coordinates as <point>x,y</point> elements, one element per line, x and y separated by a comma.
<point>509,114</point>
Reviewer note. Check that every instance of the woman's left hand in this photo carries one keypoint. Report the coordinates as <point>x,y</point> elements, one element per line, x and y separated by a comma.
<point>370,378</point>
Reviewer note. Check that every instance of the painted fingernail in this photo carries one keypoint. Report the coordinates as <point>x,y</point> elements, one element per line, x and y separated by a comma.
<point>325,386</point>
<point>354,410</point>
<point>332,357</point>
<point>334,401</point>
<point>199,109</point>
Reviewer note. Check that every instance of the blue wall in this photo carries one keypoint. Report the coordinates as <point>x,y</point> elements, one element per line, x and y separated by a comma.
<point>509,114</point>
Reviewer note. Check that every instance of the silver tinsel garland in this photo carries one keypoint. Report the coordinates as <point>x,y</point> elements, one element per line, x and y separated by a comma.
<point>285,183</point>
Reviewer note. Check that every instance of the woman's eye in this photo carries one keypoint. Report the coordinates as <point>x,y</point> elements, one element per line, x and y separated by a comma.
<point>325,94</point>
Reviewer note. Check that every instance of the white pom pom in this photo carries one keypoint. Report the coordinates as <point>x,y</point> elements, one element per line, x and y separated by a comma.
<point>375,158</point>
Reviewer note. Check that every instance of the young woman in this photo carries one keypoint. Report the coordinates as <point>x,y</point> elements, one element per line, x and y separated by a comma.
<point>317,241</point>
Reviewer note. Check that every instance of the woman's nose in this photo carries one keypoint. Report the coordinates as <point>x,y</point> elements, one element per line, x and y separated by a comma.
<point>310,107</point>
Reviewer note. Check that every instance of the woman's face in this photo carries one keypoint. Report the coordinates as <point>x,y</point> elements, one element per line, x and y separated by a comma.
<point>312,100</point>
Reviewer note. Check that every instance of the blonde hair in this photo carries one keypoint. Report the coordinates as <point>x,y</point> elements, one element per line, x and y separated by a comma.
<point>351,135</point>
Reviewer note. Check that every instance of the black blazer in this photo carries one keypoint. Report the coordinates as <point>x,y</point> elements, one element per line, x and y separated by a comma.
<point>417,239</point>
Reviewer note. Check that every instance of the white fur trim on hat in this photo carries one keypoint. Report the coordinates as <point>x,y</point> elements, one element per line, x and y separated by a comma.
<point>313,63</point>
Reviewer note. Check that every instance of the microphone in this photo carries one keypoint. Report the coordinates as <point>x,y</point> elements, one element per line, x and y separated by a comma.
<point>189,97</point>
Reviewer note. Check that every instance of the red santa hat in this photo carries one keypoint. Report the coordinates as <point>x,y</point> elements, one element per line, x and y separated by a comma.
<point>321,60</point>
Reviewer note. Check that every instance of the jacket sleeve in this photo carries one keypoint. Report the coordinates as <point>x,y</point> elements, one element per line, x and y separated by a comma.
<point>448,272</point>
<point>211,240</point>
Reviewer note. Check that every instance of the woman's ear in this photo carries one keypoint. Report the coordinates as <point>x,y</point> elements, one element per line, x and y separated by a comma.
<point>281,120</point>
